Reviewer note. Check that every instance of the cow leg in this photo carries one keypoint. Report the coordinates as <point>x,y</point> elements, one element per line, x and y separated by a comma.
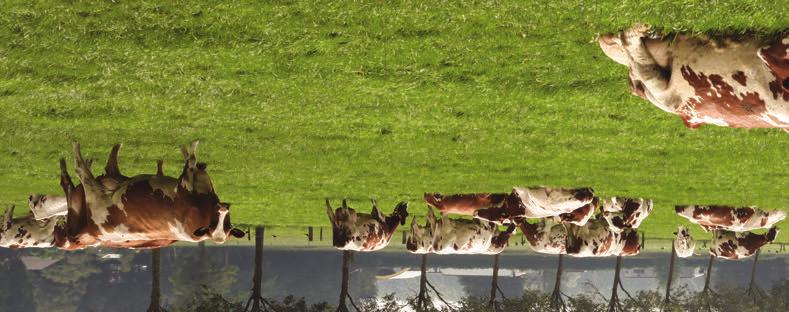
<point>89,182</point>
<point>159,164</point>
<point>187,178</point>
<point>111,169</point>
<point>65,179</point>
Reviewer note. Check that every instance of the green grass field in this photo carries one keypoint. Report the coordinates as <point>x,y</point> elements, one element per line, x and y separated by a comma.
<point>297,101</point>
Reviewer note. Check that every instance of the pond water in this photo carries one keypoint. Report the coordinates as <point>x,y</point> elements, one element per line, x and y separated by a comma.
<point>189,275</point>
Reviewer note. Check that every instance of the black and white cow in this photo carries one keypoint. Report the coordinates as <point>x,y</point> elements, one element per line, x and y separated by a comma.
<point>730,82</point>
<point>457,236</point>
<point>364,232</point>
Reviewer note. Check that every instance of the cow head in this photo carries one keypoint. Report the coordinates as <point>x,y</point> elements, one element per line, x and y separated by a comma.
<point>219,227</point>
<point>420,238</point>
<point>683,243</point>
<point>775,216</point>
<point>631,241</point>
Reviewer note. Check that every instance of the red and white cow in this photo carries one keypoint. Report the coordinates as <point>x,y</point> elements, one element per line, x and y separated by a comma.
<point>684,245</point>
<point>457,236</point>
<point>144,211</point>
<point>730,218</point>
<point>626,213</point>
<point>737,245</point>
<point>361,231</point>
<point>730,82</point>
<point>594,239</point>
<point>575,206</point>
<point>26,231</point>
<point>420,238</point>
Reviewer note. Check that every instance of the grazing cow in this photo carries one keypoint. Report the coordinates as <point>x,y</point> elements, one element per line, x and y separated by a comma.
<point>730,218</point>
<point>684,245</point>
<point>546,236</point>
<point>731,82</point>
<point>27,232</point>
<point>361,231</point>
<point>571,205</point>
<point>420,238</point>
<point>594,239</point>
<point>733,245</point>
<point>626,213</point>
<point>460,236</point>
<point>144,211</point>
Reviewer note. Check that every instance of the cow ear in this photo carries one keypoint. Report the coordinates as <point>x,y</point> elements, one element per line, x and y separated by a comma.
<point>330,212</point>
<point>237,233</point>
<point>202,231</point>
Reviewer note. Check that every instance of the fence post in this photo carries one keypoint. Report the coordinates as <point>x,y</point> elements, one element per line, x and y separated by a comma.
<point>310,234</point>
<point>320,229</point>
<point>404,238</point>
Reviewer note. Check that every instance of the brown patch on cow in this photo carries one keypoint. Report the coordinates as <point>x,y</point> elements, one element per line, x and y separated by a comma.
<point>743,214</point>
<point>115,217</point>
<point>739,77</point>
<point>21,231</point>
<point>716,99</point>
<point>777,60</point>
<point>715,215</point>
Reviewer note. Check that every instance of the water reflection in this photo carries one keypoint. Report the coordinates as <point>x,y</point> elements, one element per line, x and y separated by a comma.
<point>192,278</point>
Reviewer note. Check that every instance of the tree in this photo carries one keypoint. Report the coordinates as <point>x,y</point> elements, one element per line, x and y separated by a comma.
<point>346,262</point>
<point>556,299</point>
<point>155,305</point>
<point>615,303</point>
<point>753,290</point>
<point>667,300</point>
<point>494,287</point>
<point>258,303</point>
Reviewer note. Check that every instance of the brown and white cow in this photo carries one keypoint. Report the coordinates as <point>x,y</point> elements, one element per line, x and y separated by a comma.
<point>594,239</point>
<point>730,82</point>
<point>420,238</point>
<point>730,218</point>
<point>737,245</point>
<point>457,236</point>
<point>26,231</point>
<point>626,213</point>
<point>144,211</point>
<point>364,232</point>
<point>571,205</point>
<point>684,245</point>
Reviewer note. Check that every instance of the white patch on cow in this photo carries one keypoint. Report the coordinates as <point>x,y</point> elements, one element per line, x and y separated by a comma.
<point>219,235</point>
<point>177,229</point>
<point>684,245</point>
<point>121,234</point>
<point>47,206</point>
<point>541,202</point>
<point>552,238</point>
<point>463,236</point>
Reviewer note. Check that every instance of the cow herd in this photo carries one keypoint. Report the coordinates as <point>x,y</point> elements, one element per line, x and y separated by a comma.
<point>553,221</point>
<point>155,210</point>
<point>114,210</point>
